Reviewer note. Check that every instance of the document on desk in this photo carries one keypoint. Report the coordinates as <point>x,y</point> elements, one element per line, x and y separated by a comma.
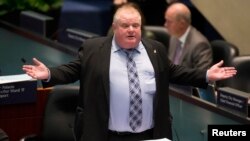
<point>15,78</point>
<point>165,139</point>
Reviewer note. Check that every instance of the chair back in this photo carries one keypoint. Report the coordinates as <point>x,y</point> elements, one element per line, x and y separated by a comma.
<point>208,94</point>
<point>241,80</point>
<point>223,50</point>
<point>59,114</point>
<point>158,33</point>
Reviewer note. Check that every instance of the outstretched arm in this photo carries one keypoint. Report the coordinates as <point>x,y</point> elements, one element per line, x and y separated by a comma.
<point>216,72</point>
<point>37,71</point>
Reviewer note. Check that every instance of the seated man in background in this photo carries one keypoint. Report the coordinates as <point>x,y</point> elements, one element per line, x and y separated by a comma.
<point>187,46</point>
<point>195,50</point>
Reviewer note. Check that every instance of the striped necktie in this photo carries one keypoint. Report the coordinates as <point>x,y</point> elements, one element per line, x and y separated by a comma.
<point>135,102</point>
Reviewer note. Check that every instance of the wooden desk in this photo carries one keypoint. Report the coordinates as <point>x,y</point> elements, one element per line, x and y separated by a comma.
<point>19,120</point>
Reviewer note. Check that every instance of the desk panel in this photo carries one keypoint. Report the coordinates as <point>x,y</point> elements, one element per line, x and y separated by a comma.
<point>192,115</point>
<point>16,49</point>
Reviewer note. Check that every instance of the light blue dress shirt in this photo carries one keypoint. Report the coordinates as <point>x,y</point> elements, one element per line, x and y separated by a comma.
<point>119,89</point>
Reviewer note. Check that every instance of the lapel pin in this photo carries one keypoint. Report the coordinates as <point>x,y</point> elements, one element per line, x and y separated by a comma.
<point>154,51</point>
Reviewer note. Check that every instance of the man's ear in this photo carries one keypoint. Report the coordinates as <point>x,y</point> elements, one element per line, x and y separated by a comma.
<point>114,26</point>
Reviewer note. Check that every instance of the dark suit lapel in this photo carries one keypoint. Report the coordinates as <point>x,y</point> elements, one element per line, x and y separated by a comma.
<point>105,51</point>
<point>152,53</point>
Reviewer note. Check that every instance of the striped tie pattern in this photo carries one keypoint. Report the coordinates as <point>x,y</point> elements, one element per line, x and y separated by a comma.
<point>135,104</point>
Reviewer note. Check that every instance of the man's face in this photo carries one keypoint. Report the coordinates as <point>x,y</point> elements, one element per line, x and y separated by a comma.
<point>173,25</point>
<point>127,30</point>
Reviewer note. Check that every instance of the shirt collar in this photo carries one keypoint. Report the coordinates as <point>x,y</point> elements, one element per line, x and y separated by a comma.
<point>115,47</point>
<point>183,38</point>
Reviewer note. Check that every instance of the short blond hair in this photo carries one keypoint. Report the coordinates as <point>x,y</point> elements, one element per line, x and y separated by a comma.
<point>127,7</point>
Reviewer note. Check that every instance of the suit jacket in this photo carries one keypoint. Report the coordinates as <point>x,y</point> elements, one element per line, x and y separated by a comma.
<point>92,68</point>
<point>197,52</point>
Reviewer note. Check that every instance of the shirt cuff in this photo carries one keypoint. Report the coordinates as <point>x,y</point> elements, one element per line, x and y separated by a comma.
<point>209,82</point>
<point>49,77</point>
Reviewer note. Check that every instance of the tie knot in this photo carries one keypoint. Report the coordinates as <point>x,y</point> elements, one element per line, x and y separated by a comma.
<point>129,52</point>
<point>179,43</point>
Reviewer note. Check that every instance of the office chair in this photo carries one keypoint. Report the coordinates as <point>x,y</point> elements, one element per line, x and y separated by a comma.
<point>158,33</point>
<point>223,50</point>
<point>208,94</point>
<point>59,115</point>
<point>241,80</point>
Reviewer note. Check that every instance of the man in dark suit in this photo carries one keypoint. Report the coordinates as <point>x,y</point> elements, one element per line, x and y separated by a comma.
<point>196,51</point>
<point>103,112</point>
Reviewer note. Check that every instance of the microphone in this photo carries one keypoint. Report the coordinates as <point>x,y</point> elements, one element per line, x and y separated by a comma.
<point>23,60</point>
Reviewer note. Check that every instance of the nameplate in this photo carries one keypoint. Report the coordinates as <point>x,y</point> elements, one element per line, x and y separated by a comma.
<point>233,99</point>
<point>14,92</point>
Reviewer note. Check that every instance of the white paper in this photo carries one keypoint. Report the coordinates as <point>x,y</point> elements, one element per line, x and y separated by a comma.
<point>165,139</point>
<point>15,78</point>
